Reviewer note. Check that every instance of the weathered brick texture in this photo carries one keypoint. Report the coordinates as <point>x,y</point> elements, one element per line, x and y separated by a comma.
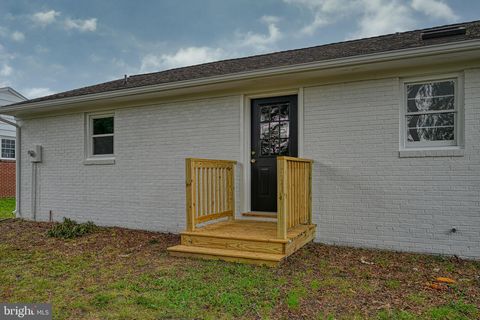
<point>7,179</point>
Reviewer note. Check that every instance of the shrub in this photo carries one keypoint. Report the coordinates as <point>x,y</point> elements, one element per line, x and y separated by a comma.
<point>70,229</point>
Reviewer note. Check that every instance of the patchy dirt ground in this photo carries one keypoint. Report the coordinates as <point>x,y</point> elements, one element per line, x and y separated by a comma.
<point>118,273</point>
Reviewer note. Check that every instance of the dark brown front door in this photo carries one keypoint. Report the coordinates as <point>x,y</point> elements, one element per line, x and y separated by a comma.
<point>274,133</point>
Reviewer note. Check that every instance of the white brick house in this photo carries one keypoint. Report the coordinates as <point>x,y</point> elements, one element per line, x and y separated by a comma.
<point>392,124</point>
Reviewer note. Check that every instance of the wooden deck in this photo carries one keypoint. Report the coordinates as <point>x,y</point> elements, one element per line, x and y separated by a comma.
<point>210,197</point>
<point>245,241</point>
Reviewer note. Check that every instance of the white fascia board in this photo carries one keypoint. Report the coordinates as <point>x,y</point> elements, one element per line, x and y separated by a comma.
<point>431,50</point>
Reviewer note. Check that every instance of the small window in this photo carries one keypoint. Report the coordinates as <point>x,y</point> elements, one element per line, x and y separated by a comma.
<point>430,114</point>
<point>8,148</point>
<point>101,135</point>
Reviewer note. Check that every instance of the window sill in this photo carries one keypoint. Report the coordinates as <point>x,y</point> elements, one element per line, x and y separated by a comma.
<point>423,153</point>
<point>98,161</point>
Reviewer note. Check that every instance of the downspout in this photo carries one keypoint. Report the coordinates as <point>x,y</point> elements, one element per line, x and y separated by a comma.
<point>18,156</point>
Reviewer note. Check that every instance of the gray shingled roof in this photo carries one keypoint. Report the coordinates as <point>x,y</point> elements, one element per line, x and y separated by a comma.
<point>385,43</point>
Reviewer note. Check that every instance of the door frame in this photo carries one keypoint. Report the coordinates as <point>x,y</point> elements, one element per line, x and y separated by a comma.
<point>245,135</point>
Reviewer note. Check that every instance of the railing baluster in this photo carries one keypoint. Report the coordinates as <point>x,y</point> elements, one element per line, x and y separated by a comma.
<point>294,202</point>
<point>210,190</point>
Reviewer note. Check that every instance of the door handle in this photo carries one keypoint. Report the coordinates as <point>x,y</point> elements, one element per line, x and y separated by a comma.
<point>253,161</point>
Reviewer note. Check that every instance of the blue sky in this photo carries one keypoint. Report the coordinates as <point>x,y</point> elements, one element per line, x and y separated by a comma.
<point>53,46</point>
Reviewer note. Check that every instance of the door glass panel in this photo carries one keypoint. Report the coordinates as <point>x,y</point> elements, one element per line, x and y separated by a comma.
<point>283,148</point>
<point>265,114</point>
<point>265,130</point>
<point>275,113</point>
<point>284,111</point>
<point>274,129</point>
<point>284,130</point>
<point>265,147</point>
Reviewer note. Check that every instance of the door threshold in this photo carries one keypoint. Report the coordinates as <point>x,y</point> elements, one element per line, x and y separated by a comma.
<point>260,214</point>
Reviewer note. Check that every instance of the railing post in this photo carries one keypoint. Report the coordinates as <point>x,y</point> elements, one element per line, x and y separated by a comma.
<point>232,190</point>
<point>310,167</point>
<point>282,195</point>
<point>190,194</point>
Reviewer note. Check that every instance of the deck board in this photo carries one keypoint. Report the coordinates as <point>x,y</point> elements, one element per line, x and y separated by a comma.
<point>248,230</point>
<point>245,241</point>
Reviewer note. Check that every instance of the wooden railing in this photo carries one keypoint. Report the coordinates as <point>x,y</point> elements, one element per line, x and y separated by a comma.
<point>210,186</point>
<point>294,193</point>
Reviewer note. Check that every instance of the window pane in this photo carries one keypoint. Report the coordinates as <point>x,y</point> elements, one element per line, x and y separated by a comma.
<point>265,131</point>
<point>8,148</point>
<point>284,130</point>
<point>284,112</point>
<point>428,104</point>
<point>103,125</point>
<point>431,120</point>
<point>275,113</point>
<point>103,145</point>
<point>431,134</point>
<point>274,130</point>
<point>265,114</point>
<point>432,89</point>
<point>283,149</point>
<point>265,147</point>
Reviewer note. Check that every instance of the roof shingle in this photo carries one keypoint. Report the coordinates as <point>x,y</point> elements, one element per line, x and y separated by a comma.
<point>385,43</point>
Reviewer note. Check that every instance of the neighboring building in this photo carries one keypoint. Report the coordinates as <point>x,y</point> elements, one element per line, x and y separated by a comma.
<point>391,122</point>
<point>7,144</point>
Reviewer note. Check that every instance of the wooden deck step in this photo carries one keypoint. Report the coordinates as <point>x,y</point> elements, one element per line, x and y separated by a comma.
<point>258,258</point>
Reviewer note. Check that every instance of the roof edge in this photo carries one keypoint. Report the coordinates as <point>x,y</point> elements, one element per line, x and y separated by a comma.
<point>15,93</point>
<point>317,65</point>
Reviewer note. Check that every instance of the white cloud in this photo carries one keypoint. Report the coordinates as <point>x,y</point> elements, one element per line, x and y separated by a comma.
<point>18,36</point>
<point>383,17</point>
<point>6,70</point>
<point>374,17</point>
<point>32,93</point>
<point>241,44</point>
<point>435,8</point>
<point>325,12</point>
<point>183,57</point>
<point>15,36</point>
<point>262,41</point>
<point>81,25</point>
<point>46,17</point>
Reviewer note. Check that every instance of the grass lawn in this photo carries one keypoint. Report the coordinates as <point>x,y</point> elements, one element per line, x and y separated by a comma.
<point>124,274</point>
<point>7,206</point>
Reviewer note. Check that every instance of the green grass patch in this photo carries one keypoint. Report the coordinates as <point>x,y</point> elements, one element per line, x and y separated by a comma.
<point>392,284</point>
<point>7,206</point>
<point>455,310</point>
<point>396,315</point>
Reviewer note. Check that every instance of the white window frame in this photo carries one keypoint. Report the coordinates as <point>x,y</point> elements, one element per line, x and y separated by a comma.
<point>15,146</point>
<point>458,110</point>
<point>89,137</point>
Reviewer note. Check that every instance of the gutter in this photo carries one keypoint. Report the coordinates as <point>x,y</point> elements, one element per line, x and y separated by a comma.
<point>18,156</point>
<point>311,66</point>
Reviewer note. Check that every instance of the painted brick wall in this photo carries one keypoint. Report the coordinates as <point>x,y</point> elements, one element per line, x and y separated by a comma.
<point>145,187</point>
<point>7,179</point>
<point>365,195</point>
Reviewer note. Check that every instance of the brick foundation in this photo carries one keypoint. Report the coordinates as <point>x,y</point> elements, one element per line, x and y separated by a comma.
<point>7,179</point>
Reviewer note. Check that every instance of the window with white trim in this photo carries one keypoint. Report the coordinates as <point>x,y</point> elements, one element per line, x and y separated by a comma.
<point>431,113</point>
<point>7,149</point>
<point>101,135</point>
